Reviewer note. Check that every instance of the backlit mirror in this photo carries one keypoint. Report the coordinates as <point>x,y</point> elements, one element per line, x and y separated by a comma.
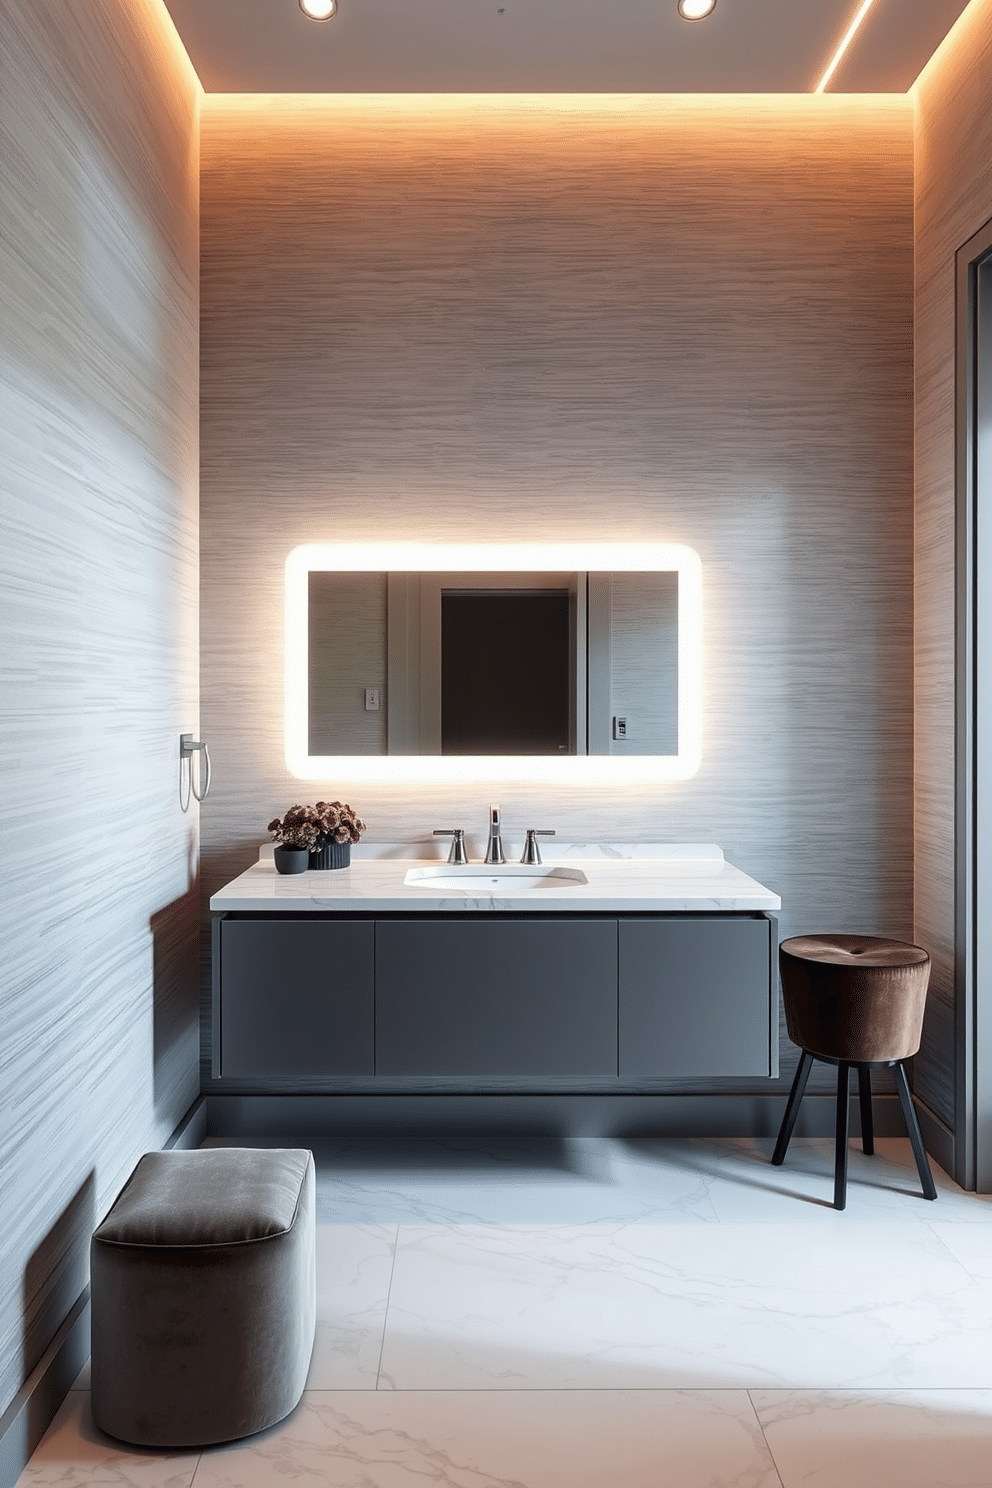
<point>495,661</point>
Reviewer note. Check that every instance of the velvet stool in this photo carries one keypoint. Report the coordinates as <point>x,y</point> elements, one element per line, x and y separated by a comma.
<point>855,1001</point>
<point>203,1295</point>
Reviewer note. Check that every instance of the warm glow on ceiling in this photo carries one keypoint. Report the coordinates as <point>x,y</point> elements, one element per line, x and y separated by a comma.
<point>846,40</point>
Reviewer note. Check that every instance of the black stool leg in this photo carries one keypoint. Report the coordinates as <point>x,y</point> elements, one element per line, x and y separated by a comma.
<point>867,1124</point>
<point>792,1108</point>
<point>840,1168</point>
<point>913,1127</point>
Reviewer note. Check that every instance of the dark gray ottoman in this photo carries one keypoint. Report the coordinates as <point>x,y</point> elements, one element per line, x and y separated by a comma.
<point>204,1296</point>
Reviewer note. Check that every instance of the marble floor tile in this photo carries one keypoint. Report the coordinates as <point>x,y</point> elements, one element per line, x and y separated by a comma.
<point>952,1201</point>
<point>74,1454</point>
<point>744,1187</point>
<point>688,1307</point>
<point>592,1180</point>
<point>354,1267</point>
<point>590,1311</point>
<point>638,1439</point>
<point>971,1244</point>
<point>888,1439</point>
<point>610,1180</point>
<point>502,1181</point>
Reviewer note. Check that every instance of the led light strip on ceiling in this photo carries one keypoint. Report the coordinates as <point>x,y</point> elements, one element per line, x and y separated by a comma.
<point>846,40</point>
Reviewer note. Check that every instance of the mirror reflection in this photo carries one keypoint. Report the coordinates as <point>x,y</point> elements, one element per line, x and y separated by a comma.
<point>504,664</point>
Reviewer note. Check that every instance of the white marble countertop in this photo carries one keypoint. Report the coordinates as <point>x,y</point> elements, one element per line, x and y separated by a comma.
<point>653,877</point>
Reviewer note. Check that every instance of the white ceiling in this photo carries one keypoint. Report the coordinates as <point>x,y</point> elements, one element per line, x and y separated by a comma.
<point>556,46</point>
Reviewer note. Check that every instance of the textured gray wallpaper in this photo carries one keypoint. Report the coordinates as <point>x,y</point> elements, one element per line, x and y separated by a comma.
<point>666,319</point>
<point>98,569</point>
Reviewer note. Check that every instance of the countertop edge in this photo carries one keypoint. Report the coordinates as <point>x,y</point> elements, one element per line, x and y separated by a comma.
<point>629,887</point>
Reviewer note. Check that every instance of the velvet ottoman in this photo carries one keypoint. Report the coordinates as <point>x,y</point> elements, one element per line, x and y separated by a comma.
<point>203,1289</point>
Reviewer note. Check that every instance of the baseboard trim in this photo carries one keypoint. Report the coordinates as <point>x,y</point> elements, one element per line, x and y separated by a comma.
<point>30,1413</point>
<point>36,1403</point>
<point>305,1119</point>
<point>191,1130</point>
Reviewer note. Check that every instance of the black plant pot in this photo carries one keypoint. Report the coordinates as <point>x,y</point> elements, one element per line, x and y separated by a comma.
<point>291,859</point>
<point>332,855</point>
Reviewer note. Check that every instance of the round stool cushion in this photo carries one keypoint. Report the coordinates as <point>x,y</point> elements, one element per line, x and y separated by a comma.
<point>203,1287</point>
<point>856,998</point>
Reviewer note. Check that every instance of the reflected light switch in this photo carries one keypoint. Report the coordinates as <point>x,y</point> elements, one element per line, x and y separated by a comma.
<point>371,699</point>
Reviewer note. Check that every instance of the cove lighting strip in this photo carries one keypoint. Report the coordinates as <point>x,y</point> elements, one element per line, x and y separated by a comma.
<point>848,37</point>
<point>573,770</point>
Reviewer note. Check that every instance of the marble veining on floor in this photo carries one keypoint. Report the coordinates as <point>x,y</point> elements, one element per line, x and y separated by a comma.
<point>580,1313</point>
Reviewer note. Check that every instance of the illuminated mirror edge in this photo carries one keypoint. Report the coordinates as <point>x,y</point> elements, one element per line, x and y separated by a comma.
<point>575,770</point>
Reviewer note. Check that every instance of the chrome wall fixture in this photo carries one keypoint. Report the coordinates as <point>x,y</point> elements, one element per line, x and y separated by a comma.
<point>188,787</point>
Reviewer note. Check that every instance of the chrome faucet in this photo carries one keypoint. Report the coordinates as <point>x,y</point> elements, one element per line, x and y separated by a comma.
<point>457,835</point>
<point>494,852</point>
<point>532,853</point>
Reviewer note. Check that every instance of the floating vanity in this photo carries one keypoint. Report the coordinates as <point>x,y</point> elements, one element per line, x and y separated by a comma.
<point>602,969</point>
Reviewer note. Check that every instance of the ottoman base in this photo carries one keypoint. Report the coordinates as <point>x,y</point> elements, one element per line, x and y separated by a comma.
<point>204,1296</point>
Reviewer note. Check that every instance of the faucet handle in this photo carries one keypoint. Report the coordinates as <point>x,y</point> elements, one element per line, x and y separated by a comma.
<point>457,835</point>
<point>532,853</point>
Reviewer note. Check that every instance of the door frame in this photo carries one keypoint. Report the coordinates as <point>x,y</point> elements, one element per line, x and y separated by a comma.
<point>973,714</point>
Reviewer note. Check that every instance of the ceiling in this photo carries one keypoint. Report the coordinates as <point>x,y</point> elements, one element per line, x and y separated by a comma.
<point>557,46</point>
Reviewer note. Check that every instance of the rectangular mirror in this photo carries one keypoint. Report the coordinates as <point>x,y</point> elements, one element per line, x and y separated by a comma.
<point>492,663</point>
<point>525,670</point>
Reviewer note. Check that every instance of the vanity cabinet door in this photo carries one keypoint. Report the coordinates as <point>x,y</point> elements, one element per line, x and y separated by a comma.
<point>496,997</point>
<point>696,997</point>
<point>296,997</point>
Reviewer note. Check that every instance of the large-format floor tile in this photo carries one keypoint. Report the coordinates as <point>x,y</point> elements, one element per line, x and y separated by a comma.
<point>636,1287</point>
<point>744,1187</point>
<point>694,1306</point>
<point>354,1265</point>
<point>971,1244</point>
<point>907,1439</point>
<point>952,1202</point>
<point>503,1181</point>
<point>73,1454</point>
<point>607,1180</point>
<point>504,1440</point>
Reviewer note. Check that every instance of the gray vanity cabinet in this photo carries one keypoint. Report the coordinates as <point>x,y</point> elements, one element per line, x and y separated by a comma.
<point>487,996</point>
<point>695,996</point>
<point>588,1001</point>
<point>297,998</point>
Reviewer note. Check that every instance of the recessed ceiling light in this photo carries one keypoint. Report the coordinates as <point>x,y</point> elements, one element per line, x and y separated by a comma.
<point>696,10</point>
<point>319,10</point>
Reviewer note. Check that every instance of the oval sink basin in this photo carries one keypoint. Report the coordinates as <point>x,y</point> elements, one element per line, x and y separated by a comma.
<point>508,878</point>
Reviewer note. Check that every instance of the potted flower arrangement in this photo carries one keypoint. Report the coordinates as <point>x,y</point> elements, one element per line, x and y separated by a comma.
<point>315,836</point>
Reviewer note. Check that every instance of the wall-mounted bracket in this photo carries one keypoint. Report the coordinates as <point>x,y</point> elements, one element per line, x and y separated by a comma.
<point>188,746</point>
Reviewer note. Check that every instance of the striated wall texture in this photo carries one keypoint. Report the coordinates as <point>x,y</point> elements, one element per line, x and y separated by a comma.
<point>666,318</point>
<point>98,664</point>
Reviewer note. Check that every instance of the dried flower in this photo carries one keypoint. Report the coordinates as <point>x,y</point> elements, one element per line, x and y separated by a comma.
<point>314,826</point>
<point>339,822</point>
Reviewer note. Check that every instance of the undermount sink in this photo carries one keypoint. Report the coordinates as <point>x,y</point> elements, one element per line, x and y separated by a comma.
<point>512,878</point>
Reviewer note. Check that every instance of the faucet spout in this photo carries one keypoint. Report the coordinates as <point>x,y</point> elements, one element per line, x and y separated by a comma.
<point>494,852</point>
